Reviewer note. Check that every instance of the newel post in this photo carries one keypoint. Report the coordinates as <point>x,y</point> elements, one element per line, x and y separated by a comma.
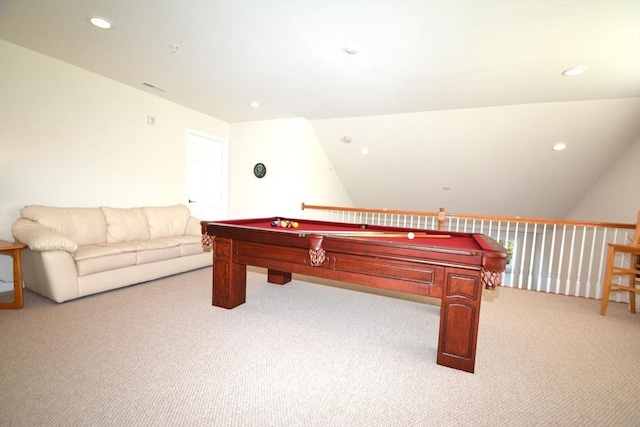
<point>441,218</point>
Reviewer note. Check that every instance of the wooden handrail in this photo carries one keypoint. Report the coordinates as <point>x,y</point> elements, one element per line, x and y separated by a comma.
<point>366,210</point>
<point>473,216</point>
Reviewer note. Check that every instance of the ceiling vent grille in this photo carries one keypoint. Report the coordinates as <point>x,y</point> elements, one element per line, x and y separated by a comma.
<point>152,86</point>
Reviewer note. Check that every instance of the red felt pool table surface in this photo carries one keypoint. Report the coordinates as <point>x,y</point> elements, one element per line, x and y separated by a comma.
<point>451,266</point>
<point>454,240</point>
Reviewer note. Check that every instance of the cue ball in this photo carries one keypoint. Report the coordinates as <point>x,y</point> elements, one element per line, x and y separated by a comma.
<point>410,236</point>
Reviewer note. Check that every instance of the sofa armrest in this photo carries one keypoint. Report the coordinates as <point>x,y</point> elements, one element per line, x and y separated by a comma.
<point>40,238</point>
<point>193,227</point>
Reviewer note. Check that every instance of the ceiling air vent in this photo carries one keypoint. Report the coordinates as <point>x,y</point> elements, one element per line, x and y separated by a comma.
<point>152,86</point>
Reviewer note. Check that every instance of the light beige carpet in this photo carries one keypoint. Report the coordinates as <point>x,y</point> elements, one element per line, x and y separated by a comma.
<point>308,354</point>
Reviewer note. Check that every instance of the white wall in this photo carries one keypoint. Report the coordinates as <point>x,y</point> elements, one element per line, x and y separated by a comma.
<point>616,196</point>
<point>298,170</point>
<point>69,137</point>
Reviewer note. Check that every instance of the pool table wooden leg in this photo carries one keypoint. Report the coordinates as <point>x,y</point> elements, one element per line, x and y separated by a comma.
<point>229,279</point>
<point>278,277</point>
<point>459,318</point>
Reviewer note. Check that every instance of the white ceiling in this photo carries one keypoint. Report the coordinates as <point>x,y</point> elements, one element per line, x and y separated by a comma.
<point>415,56</point>
<point>288,55</point>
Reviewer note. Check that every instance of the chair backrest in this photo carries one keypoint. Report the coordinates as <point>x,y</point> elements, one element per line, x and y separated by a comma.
<point>636,237</point>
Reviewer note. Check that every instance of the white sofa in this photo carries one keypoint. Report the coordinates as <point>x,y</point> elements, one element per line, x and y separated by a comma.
<point>75,252</point>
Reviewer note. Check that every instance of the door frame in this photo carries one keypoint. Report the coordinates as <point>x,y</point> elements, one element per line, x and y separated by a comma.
<point>224,190</point>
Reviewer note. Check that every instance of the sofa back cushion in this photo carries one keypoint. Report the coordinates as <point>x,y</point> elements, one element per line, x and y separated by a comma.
<point>125,225</point>
<point>167,221</point>
<point>85,226</point>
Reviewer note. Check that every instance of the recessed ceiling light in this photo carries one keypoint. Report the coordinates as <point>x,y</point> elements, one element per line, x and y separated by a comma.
<point>347,139</point>
<point>352,48</point>
<point>101,22</point>
<point>559,146</point>
<point>364,151</point>
<point>574,71</point>
<point>254,104</point>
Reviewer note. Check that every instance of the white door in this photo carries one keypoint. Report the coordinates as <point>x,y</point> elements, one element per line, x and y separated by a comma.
<point>207,176</point>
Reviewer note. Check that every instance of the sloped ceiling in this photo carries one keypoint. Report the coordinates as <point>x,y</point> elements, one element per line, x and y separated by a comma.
<point>490,161</point>
<point>460,94</point>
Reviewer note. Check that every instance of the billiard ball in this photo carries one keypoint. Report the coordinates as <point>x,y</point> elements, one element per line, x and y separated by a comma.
<point>295,224</point>
<point>284,224</point>
<point>274,223</point>
<point>410,236</point>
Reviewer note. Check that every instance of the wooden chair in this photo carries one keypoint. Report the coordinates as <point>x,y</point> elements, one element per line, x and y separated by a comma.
<point>628,268</point>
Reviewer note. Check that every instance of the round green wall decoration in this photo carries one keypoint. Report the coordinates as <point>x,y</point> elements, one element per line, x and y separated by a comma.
<point>259,170</point>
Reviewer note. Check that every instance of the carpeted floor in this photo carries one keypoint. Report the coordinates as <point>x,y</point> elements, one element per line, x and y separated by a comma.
<point>311,354</point>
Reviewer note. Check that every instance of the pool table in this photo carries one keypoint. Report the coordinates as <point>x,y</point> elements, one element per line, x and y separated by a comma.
<point>452,266</point>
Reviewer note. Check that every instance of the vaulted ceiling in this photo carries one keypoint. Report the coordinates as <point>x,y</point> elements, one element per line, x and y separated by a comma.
<point>458,102</point>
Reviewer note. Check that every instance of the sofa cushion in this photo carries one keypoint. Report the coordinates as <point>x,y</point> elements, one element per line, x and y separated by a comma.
<point>167,221</point>
<point>178,240</point>
<point>191,248</point>
<point>124,225</point>
<point>104,263</point>
<point>41,238</point>
<point>97,251</point>
<point>85,226</point>
<point>154,255</point>
<point>161,243</point>
<point>193,228</point>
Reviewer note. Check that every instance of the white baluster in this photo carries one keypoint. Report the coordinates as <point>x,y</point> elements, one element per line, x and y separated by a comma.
<point>553,247</point>
<point>567,285</point>
<point>564,233</point>
<point>532,257</point>
<point>580,258</point>
<point>524,253</point>
<point>542,249</point>
<point>587,292</point>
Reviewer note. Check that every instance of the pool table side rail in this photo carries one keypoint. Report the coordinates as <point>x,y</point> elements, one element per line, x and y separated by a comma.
<point>489,253</point>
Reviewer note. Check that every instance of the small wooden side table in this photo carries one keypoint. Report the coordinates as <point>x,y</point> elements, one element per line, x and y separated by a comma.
<point>13,249</point>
